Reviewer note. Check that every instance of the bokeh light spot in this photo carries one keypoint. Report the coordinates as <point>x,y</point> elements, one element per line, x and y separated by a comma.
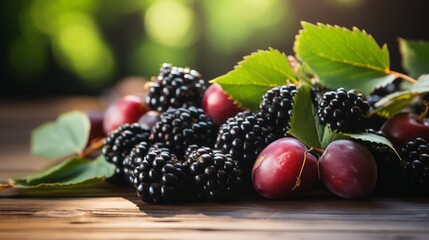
<point>80,48</point>
<point>171,23</point>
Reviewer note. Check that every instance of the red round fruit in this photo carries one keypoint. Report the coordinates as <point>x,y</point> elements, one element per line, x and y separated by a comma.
<point>127,109</point>
<point>348,169</point>
<point>96,130</point>
<point>218,105</point>
<point>278,167</point>
<point>405,127</point>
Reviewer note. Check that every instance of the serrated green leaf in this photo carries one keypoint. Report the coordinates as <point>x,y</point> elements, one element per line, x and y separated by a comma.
<point>257,73</point>
<point>395,102</point>
<point>329,136</point>
<point>415,56</point>
<point>343,58</point>
<point>370,137</point>
<point>67,135</point>
<point>72,173</point>
<point>304,123</point>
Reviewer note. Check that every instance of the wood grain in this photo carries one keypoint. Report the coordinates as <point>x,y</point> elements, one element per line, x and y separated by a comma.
<point>111,212</point>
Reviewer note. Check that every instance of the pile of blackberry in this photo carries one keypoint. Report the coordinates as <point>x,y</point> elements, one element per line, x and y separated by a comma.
<point>154,160</point>
<point>176,87</point>
<point>345,111</point>
<point>185,156</point>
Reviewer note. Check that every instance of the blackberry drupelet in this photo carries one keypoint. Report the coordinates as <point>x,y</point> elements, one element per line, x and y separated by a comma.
<point>175,87</point>
<point>190,149</point>
<point>160,176</point>
<point>119,143</point>
<point>345,111</point>
<point>415,165</point>
<point>212,174</point>
<point>165,69</point>
<point>244,136</point>
<point>276,106</point>
<point>133,160</point>
<point>181,127</point>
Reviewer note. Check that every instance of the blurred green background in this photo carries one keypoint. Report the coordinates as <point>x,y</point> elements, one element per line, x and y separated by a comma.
<point>64,47</point>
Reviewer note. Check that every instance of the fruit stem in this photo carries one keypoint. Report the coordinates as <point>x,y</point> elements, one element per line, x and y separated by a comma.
<point>298,179</point>
<point>424,113</point>
<point>403,76</point>
<point>319,151</point>
<point>92,148</point>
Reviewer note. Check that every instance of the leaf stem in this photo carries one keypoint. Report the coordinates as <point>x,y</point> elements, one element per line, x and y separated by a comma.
<point>92,148</point>
<point>404,76</point>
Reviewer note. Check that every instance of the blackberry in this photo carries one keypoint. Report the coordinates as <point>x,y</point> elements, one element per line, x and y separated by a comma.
<point>244,136</point>
<point>387,163</point>
<point>119,143</point>
<point>345,111</point>
<point>276,106</point>
<point>133,160</point>
<point>160,176</point>
<point>181,127</point>
<point>381,92</point>
<point>175,87</point>
<point>415,165</point>
<point>213,175</point>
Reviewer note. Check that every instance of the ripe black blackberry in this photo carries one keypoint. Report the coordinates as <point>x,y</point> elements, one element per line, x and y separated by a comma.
<point>159,177</point>
<point>381,92</point>
<point>181,127</point>
<point>415,166</point>
<point>276,106</point>
<point>387,164</point>
<point>345,111</point>
<point>212,174</point>
<point>175,87</point>
<point>244,136</point>
<point>119,143</point>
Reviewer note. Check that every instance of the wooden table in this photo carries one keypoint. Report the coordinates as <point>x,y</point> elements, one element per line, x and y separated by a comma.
<point>116,213</point>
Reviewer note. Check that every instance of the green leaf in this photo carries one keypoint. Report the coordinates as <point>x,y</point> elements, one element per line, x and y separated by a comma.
<point>72,173</point>
<point>343,58</point>
<point>257,73</point>
<point>395,102</point>
<point>67,135</point>
<point>415,56</point>
<point>304,123</point>
<point>329,136</point>
<point>369,137</point>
